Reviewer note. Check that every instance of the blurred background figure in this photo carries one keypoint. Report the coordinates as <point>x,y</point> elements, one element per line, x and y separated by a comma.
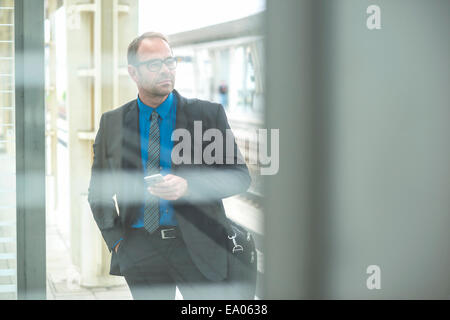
<point>223,91</point>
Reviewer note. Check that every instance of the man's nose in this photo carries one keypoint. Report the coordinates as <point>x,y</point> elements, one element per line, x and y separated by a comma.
<point>164,69</point>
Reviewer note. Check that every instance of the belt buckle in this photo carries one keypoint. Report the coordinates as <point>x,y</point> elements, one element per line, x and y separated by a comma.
<point>163,234</point>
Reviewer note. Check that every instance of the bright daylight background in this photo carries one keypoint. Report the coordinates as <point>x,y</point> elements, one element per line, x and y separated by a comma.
<point>193,14</point>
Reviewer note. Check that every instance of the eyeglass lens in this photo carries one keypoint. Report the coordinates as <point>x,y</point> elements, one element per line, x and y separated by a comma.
<point>171,63</point>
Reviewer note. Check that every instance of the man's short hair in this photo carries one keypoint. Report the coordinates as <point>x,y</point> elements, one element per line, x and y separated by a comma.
<point>134,45</point>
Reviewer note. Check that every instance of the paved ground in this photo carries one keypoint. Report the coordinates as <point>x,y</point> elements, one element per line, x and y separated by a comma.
<point>63,277</point>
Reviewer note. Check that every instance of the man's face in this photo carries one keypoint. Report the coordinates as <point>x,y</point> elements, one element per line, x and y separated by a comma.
<point>155,83</point>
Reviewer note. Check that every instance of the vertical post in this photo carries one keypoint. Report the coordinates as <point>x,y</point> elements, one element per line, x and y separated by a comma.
<point>289,107</point>
<point>52,107</point>
<point>30,148</point>
<point>97,53</point>
<point>364,153</point>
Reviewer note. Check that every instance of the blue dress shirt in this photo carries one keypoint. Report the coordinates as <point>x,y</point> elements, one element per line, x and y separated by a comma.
<point>167,117</point>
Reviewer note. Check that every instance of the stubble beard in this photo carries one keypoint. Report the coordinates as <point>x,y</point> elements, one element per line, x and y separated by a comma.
<point>159,91</point>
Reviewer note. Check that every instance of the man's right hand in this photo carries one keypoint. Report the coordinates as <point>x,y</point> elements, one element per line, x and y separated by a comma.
<point>117,246</point>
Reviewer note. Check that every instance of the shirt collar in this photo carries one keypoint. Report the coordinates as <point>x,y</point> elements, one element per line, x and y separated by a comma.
<point>163,109</point>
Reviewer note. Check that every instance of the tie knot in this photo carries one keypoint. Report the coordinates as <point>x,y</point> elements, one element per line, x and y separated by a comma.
<point>154,115</point>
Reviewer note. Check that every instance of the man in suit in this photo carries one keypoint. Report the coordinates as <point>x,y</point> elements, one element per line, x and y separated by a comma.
<point>172,234</point>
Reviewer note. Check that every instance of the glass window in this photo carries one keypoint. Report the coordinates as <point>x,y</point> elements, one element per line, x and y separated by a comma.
<point>8,280</point>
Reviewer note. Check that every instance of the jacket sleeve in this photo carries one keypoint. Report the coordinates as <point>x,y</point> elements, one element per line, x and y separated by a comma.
<point>218,180</point>
<point>100,194</point>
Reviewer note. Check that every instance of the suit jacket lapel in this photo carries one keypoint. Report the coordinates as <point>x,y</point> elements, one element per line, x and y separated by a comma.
<point>132,182</point>
<point>181,120</point>
<point>131,150</point>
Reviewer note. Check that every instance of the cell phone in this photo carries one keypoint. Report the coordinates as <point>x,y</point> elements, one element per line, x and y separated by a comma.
<point>153,179</point>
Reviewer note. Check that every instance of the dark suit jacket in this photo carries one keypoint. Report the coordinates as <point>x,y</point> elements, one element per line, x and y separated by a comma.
<point>117,170</point>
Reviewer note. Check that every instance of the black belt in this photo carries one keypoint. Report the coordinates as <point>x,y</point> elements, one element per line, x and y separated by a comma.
<point>163,232</point>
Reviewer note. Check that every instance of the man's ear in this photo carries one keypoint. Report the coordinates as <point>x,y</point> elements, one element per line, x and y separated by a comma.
<point>132,71</point>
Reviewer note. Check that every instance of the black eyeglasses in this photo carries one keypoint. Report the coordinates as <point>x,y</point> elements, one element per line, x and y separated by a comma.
<point>154,65</point>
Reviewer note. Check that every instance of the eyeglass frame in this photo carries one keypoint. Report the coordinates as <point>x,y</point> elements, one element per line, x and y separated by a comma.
<point>162,61</point>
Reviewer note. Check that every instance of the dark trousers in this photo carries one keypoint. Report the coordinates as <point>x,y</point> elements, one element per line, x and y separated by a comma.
<point>153,267</point>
